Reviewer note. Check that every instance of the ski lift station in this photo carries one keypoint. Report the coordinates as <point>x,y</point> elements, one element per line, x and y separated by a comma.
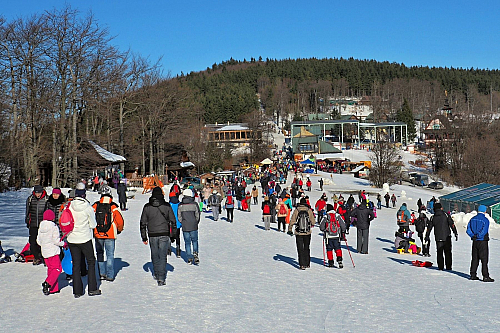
<point>469,199</point>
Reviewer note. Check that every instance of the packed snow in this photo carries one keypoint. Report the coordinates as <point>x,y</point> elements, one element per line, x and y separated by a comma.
<point>248,280</point>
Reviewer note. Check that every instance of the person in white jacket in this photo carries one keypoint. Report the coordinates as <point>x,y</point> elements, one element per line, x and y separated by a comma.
<point>80,242</point>
<point>49,241</point>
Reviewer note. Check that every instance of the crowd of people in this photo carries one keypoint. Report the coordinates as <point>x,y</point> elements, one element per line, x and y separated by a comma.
<point>95,227</point>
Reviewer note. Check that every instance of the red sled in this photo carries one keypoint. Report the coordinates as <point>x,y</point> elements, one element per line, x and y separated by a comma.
<point>419,263</point>
<point>244,205</point>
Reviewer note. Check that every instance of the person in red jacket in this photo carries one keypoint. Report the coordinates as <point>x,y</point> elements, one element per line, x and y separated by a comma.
<point>321,206</point>
<point>105,241</point>
<point>308,184</point>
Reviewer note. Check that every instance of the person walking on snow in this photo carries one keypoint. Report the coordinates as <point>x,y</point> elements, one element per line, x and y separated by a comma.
<point>80,242</point>
<point>363,217</point>
<point>105,241</point>
<point>267,213</point>
<point>379,201</point>
<point>282,211</point>
<point>303,220</point>
<point>477,229</point>
<point>442,224</point>
<point>122,194</point>
<point>255,195</point>
<point>229,206</point>
<point>214,202</point>
<point>189,217</point>
<point>333,227</point>
<point>387,198</point>
<point>393,199</point>
<point>50,243</point>
<point>176,237</point>
<point>157,218</point>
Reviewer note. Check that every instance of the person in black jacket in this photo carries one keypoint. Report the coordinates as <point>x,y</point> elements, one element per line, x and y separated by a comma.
<point>54,203</point>
<point>442,224</point>
<point>157,219</point>
<point>363,217</point>
<point>122,195</point>
<point>35,206</point>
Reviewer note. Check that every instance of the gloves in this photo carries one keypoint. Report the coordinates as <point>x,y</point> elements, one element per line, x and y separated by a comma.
<point>427,239</point>
<point>456,237</point>
<point>290,233</point>
<point>474,237</point>
<point>65,246</point>
<point>342,236</point>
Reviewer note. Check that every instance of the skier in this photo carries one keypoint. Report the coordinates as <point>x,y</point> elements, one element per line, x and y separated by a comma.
<point>189,217</point>
<point>108,216</point>
<point>80,242</point>
<point>49,241</point>
<point>214,202</point>
<point>477,229</point>
<point>303,219</point>
<point>157,218</point>
<point>333,227</point>
<point>363,217</point>
<point>35,206</point>
<point>442,223</point>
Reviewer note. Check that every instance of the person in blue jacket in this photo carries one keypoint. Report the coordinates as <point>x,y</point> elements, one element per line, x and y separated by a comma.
<point>403,217</point>
<point>477,229</point>
<point>174,203</point>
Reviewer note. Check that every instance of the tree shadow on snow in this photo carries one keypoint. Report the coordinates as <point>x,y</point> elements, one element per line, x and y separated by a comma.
<point>385,240</point>
<point>148,267</point>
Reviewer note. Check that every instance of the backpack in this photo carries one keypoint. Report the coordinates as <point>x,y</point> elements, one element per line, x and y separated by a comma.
<point>330,225</point>
<point>401,217</point>
<point>266,210</point>
<point>103,217</point>
<point>283,210</point>
<point>66,221</point>
<point>229,200</point>
<point>303,222</point>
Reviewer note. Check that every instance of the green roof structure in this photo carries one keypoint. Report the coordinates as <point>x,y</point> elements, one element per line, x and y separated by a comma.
<point>470,198</point>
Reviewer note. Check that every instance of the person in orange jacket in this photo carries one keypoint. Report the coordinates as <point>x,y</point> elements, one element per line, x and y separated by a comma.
<point>105,209</point>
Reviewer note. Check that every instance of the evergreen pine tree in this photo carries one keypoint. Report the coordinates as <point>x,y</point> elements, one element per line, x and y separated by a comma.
<point>406,115</point>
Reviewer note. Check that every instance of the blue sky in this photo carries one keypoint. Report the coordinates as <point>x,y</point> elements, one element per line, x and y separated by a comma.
<point>192,35</point>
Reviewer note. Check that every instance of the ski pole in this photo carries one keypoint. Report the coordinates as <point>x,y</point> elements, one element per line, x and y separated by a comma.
<point>345,240</point>
<point>324,240</point>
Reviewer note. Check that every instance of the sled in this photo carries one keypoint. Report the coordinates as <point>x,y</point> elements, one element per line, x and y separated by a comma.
<point>418,263</point>
<point>67,263</point>
<point>410,251</point>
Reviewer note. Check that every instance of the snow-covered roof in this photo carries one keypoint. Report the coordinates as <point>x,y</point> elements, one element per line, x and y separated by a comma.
<point>359,168</point>
<point>233,128</point>
<point>332,156</point>
<point>108,156</point>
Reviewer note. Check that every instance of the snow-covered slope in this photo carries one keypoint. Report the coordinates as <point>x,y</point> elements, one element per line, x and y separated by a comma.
<point>248,281</point>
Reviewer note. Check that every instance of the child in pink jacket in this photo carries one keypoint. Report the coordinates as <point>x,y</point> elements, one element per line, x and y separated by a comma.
<point>49,241</point>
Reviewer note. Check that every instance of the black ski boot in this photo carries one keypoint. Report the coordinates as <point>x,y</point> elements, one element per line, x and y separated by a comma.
<point>46,288</point>
<point>339,261</point>
<point>330,263</point>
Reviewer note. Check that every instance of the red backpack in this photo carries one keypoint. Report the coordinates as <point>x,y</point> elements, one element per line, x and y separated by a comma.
<point>66,221</point>
<point>266,210</point>
<point>283,210</point>
<point>229,200</point>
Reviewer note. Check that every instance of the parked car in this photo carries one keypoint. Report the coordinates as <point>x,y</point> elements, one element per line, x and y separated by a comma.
<point>435,185</point>
<point>420,180</point>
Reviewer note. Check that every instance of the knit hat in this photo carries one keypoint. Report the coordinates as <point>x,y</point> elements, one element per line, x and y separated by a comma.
<point>57,190</point>
<point>105,190</point>
<point>187,193</point>
<point>437,205</point>
<point>329,207</point>
<point>49,215</point>
<point>38,189</point>
<point>280,200</point>
<point>157,193</point>
<point>481,209</point>
<point>80,186</point>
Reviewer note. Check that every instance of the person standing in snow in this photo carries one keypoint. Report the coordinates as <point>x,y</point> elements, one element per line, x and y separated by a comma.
<point>189,217</point>
<point>282,211</point>
<point>393,199</point>
<point>267,214</point>
<point>477,229</point>
<point>420,225</point>
<point>176,237</point>
<point>229,206</point>
<point>35,206</point>
<point>387,198</point>
<point>105,241</point>
<point>80,242</point>
<point>157,219</point>
<point>303,220</point>
<point>49,241</point>
<point>122,195</point>
<point>379,201</point>
<point>403,217</point>
<point>321,205</point>
<point>320,181</point>
<point>255,195</point>
<point>333,227</point>
<point>55,203</point>
<point>363,217</point>
<point>442,224</point>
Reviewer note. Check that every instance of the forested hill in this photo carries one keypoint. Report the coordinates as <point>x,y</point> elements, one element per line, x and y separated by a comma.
<point>228,90</point>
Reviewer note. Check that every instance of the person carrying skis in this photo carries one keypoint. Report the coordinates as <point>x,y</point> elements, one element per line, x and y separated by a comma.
<point>363,217</point>
<point>189,217</point>
<point>108,217</point>
<point>50,243</point>
<point>442,224</point>
<point>333,227</point>
<point>303,220</point>
<point>403,218</point>
<point>35,206</point>
<point>477,229</point>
